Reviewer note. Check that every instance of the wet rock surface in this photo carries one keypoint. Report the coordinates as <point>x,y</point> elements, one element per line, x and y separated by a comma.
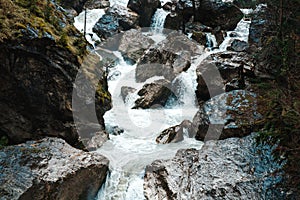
<point>238,45</point>
<point>169,58</point>
<point>259,25</point>
<point>154,94</point>
<point>116,19</point>
<point>225,169</point>
<point>175,133</point>
<point>133,44</point>
<point>232,114</point>
<point>50,169</point>
<point>170,135</point>
<point>200,124</point>
<point>220,69</point>
<point>212,13</point>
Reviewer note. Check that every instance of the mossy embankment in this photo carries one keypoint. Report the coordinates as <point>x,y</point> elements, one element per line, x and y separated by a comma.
<point>43,18</point>
<point>41,53</point>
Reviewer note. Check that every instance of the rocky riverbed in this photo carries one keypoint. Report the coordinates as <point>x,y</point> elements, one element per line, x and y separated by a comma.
<point>171,115</point>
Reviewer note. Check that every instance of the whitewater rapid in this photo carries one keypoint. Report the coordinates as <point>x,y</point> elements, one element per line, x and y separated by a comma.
<point>135,148</point>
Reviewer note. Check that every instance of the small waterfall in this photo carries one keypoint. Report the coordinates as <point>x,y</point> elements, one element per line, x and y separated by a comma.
<point>158,20</point>
<point>211,41</point>
<point>241,31</point>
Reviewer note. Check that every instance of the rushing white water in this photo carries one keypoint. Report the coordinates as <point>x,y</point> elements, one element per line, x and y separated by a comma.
<point>158,20</point>
<point>211,40</point>
<point>241,32</point>
<point>131,151</point>
<point>92,16</point>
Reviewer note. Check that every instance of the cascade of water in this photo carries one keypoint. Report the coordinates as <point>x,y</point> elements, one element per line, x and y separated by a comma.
<point>130,152</point>
<point>241,31</point>
<point>211,40</point>
<point>158,20</point>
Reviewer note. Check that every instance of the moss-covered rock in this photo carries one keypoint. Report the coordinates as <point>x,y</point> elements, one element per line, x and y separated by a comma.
<point>41,54</point>
<point>22,19</point>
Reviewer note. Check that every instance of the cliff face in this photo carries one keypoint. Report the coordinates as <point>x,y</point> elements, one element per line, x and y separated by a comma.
<point>40,56</point>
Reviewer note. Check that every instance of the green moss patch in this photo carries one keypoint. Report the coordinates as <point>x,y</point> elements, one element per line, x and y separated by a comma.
<point>42,17</point>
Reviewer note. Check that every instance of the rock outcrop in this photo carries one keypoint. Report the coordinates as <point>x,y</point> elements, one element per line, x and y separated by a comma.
<point>216,13</point>
<point>116,19</point>
<point>154,94</point>
<point>259,25</point>
<point>231,114</point>
<point>145,9</point>
<point>50,169</point>
<point>225,169</point>
<point>38,69</point>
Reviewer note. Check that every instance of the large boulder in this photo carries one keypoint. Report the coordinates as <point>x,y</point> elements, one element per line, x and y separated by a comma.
<point>213,13</point>
<point>232,169</point>
<point>157,63</point>
<point>169,58</point>
<point>154,94</point>
<point>232,114</point>
<point>116,19</point>
<point>50,169</point>
<point>238,45</point>
<point>133,44</point>
<point>145,8</point>
<point>221,69</point>
<point>216,13</point>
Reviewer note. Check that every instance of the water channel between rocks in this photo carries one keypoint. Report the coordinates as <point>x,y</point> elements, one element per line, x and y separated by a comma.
<point>131,151</point>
